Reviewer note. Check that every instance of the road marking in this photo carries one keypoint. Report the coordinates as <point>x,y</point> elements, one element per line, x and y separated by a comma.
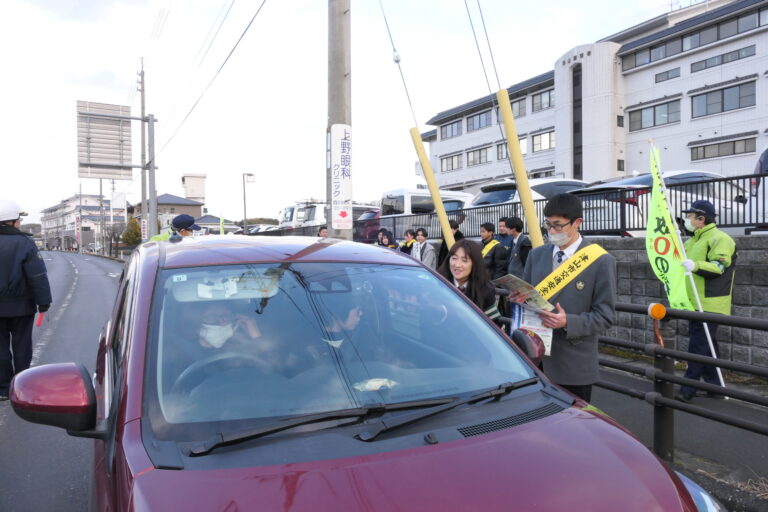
<point>114,274</point>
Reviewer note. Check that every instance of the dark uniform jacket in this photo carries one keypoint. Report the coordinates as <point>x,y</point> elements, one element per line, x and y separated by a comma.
<point>23,277</point>
<point>443,253</point>
<point>496,260</point>
<point>518,254</point>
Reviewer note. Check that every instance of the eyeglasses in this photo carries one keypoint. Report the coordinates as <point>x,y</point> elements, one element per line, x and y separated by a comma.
<point>557,227</point>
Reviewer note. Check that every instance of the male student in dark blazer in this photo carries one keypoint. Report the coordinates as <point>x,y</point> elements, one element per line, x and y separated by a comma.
<point>584,308</point>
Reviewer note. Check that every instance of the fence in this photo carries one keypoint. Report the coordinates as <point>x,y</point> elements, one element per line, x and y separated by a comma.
<point>740,202</point>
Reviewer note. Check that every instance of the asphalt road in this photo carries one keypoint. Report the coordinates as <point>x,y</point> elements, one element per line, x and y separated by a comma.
<point>42,468</point>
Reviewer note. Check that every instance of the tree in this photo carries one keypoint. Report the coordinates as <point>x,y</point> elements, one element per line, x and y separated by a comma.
<point>132,234</point>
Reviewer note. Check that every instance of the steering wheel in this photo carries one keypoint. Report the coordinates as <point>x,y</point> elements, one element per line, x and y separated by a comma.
<point>197,371</point>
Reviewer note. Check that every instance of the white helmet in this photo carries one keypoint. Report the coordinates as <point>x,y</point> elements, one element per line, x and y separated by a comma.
<point>9,210</point>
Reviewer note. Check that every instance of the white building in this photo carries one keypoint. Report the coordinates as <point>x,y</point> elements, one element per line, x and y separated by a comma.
<point>61,223</point>
<point>693,80</point>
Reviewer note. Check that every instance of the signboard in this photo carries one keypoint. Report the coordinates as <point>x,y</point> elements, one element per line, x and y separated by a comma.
<point>77,230</point>
<point>144,234</point>
<point>341,176</point>
<point>104,142</point>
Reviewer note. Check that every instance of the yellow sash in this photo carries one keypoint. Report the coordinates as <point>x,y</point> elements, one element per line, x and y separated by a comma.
<point>568,270</point>
<point>490,245</point>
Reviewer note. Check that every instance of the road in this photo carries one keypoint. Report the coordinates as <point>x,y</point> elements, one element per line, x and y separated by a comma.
<point>42,468</point>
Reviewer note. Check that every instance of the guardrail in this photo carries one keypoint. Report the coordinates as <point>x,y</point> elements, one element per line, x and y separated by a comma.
<point>740,202</point>
<point>663,376</point>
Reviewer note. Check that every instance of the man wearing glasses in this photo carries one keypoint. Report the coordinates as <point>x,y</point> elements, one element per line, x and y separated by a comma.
<point>584,295</point>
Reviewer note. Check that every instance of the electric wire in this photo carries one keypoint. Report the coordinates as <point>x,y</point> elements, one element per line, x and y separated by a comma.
<point>494,102</point>
<point>215,35</point>
<point>212,79</point>
<point>490,49</point>
<point>396,58</point>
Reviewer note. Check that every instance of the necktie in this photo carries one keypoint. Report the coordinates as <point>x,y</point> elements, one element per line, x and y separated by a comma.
<point>560,256</point>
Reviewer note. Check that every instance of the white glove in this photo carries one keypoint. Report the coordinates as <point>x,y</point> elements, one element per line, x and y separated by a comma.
<point>689,265</point>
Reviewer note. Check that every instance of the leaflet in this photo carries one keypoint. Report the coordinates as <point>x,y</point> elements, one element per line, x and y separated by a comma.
<point>527,320</point>
<point>533,299</point>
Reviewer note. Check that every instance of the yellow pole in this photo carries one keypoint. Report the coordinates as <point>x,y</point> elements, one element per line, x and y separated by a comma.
<point>432,184</point>
<point>521,177</point>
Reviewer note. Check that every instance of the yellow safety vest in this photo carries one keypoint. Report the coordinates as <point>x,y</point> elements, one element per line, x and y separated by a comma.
<point>490,245</point>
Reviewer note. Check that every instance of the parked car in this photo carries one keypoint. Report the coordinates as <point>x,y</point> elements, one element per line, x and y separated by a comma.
<point>620,206</point>
<point>337,385</point>
<point>505,190</point>
<point>757,193</point>
<point>413,208</point>
<point>367,226</point>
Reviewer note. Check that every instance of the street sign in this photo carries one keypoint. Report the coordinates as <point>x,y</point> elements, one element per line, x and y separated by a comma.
<point>341,176</point>
<point>104,141</point>
<point>144,235</point>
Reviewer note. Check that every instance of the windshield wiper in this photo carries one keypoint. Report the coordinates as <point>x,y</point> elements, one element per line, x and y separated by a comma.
<point>223,439</point>
<point>407,419</point>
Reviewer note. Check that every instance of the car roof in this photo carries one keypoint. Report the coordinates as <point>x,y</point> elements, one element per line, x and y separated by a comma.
<point>226,250</point>
<point>506,183</point>
<point>620,182</point>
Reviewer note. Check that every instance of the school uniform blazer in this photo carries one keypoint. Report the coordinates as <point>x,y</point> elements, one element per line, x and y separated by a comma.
<point>589,302</point>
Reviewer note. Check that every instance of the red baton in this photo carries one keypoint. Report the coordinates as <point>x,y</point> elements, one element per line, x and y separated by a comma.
<point>40,319</point>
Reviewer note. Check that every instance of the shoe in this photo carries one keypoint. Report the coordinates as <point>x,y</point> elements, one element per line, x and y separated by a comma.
<point>683,397</point>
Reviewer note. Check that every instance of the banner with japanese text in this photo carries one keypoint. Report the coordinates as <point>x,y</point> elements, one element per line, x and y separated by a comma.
<point>662,242</point>
<point>341,176</point>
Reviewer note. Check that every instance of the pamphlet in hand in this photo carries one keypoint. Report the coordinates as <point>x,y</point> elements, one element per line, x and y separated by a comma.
<point>526,319</point>
<point>533,300</point>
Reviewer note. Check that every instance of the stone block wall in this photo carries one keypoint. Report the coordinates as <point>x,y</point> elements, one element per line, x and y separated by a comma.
<point>637,284</point>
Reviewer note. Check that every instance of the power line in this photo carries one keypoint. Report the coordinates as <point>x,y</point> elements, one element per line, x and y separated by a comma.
<point>396,58</point>
<point>488,41</point>
<point>202,59</point>
<point>212,79</point>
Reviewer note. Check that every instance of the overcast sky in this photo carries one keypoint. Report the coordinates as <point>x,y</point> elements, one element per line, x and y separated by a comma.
<point>266,111</point>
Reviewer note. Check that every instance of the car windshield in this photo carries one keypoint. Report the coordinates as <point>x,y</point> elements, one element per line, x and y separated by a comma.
<point>501,195</point>
<point>242,343</point>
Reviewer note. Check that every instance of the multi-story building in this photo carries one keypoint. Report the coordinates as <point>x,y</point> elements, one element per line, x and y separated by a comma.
<point>76,221</point>
<point>168,207</point>
<point>693,80</point>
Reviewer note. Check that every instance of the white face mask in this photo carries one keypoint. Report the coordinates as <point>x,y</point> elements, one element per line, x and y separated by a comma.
<point>559,238</point>
<point>216,335</point>
<point>689,225</point>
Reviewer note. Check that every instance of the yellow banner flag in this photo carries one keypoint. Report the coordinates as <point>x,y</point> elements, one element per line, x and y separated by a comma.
<point>662,242</point>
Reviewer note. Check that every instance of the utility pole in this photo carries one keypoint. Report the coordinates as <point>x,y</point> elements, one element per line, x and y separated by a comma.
<point>101,218</point>
<point>339,103</point>
<point>80,221</point>
<point>152,228</point>
<point>144,206</point>
<point>248,177</point>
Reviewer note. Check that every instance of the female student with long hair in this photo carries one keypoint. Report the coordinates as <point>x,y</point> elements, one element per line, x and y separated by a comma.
<point>465,269</point>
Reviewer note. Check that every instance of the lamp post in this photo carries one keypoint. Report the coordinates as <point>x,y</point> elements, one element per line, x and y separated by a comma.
<point>247,177</point>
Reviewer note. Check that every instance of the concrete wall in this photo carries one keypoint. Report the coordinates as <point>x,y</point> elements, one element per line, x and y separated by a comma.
<point>638,284</point>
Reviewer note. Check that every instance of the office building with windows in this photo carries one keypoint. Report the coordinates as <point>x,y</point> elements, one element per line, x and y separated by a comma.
<point>694,80</point>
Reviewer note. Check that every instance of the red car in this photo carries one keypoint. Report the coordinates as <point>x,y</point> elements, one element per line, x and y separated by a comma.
<point>250,373</point>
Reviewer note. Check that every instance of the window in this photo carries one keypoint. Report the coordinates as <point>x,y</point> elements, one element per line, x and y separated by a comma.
<point>619,165</point>
<point>478,121</point>
<point>543,141</point>
<point>734,147</point>
<point>728,28</point>
<point>724,58</point>
<point>674,46</point>
<point>477,157</point>
<point>690,41</point>
<point>392,205</point>
<point>764,17</point>
<point>667,75</point>
<point>544,100</point>
<point>747,22</point>
<point>723,100</point>
<point>708,35</point>
<point>450,163</point>
<point>620,121</point>
<point>642,57</point>
<point>450,130</point>
<point>518,108</point>
<point>501,149</point>
<point>658,52</point>
<point>657,115</point>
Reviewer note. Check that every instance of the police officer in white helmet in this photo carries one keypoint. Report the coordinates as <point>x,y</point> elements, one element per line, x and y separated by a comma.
<point>24,290</point>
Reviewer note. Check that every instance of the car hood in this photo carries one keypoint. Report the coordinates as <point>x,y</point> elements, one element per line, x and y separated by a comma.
<point>573,460</point>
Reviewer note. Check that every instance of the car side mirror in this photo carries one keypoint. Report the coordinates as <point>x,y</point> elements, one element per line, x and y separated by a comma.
<point>60,395</point>
<point>530,343</point>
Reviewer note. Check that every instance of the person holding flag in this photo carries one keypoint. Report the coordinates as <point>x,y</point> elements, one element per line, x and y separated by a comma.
<point>711,261</point>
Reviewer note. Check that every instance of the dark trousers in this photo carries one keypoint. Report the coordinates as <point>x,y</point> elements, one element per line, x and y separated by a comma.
<point>697,344</point>
<point>584,392</point>
<point>15,348</point>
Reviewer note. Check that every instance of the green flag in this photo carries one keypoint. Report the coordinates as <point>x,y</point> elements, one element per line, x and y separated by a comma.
<point>662,242</point>
<point>221,225</point>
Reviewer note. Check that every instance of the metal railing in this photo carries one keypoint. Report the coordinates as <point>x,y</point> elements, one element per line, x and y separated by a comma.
<point>740,202</point>
<point>663,377</point>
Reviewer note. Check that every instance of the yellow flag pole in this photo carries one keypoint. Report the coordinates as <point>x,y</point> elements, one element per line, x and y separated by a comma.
<point>426,167</point>
<point>521,177</point>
